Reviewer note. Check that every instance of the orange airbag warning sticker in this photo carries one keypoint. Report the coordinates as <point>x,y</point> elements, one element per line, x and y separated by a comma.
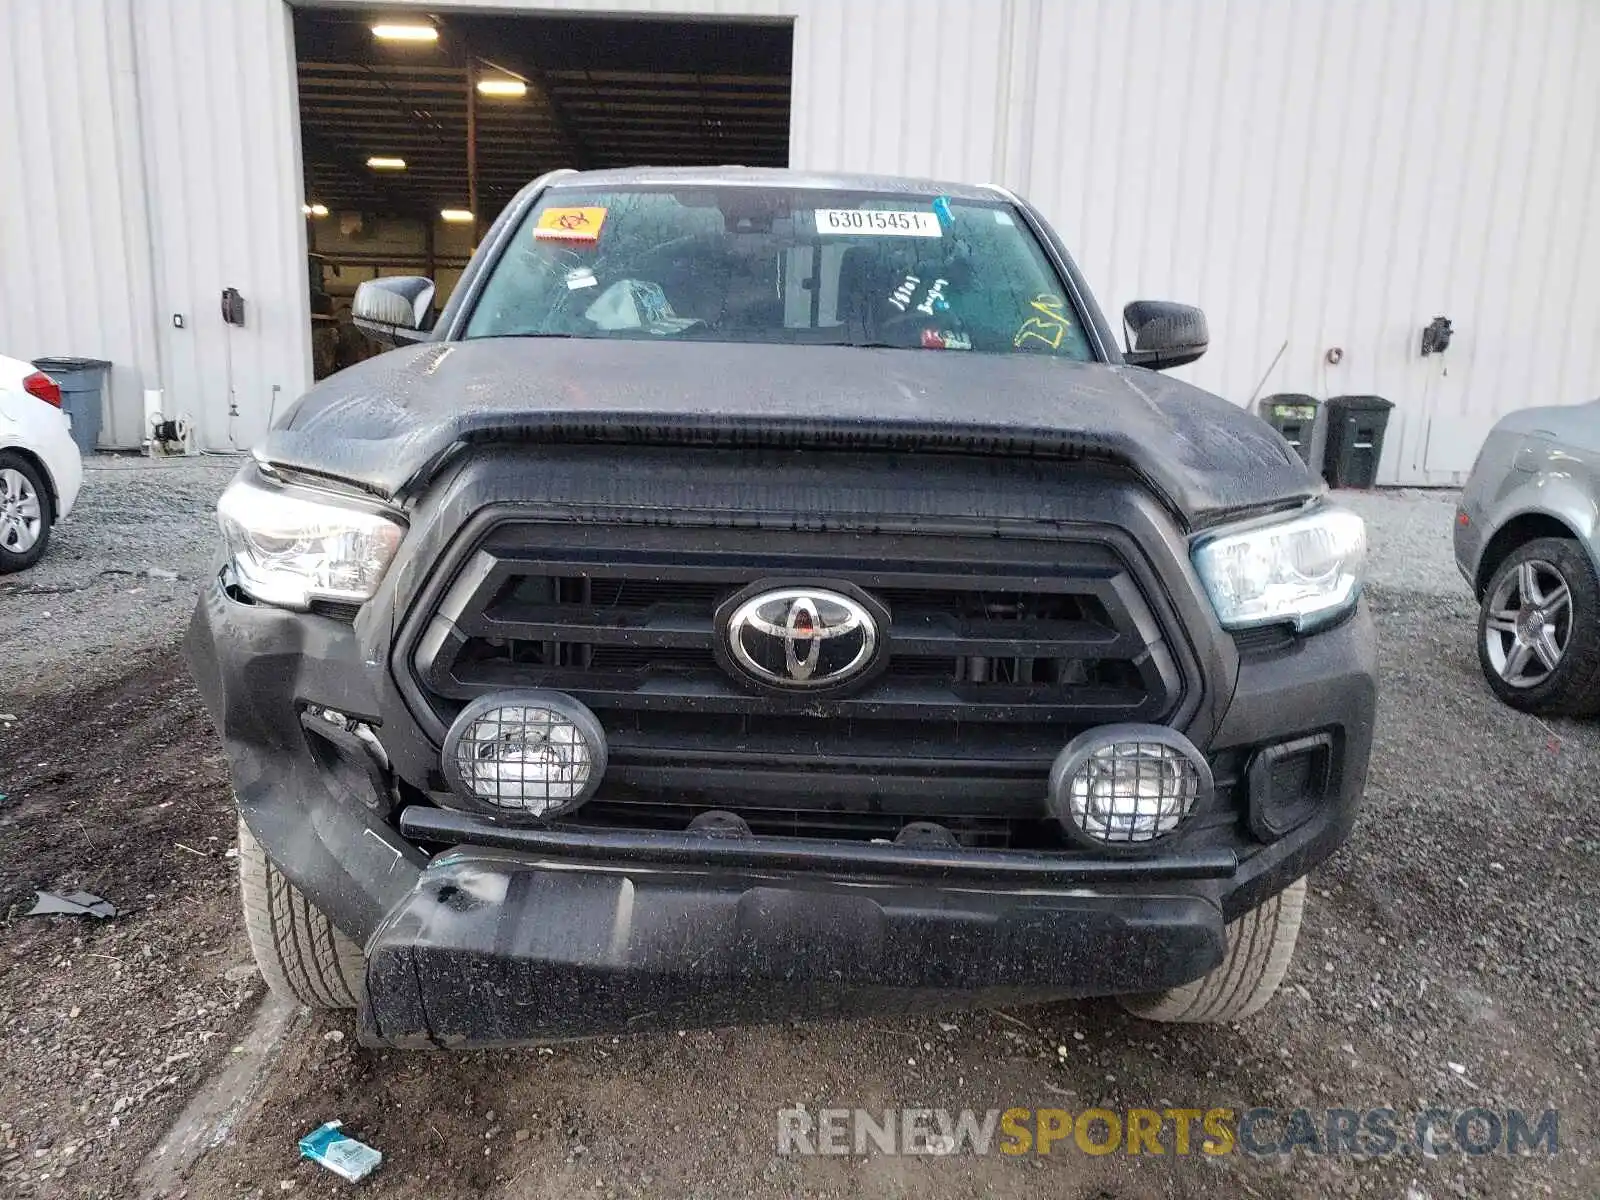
<point>573,224</point>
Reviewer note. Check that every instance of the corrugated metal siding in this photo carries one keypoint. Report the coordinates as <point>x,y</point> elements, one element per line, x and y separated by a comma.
<point>75,266</point>
<point>1315,173</point>
<point>221,128</point>
<point>1324,175</point>
<point>162,164</point>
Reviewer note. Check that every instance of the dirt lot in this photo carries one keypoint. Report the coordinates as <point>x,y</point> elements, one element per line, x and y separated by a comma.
<point>1447,961</point>
<point>119,789</point>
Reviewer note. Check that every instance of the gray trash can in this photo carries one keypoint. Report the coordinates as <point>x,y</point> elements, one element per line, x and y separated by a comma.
<point>82,380</point>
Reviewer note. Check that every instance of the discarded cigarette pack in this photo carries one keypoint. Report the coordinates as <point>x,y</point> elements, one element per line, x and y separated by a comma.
<point>342,1155</point>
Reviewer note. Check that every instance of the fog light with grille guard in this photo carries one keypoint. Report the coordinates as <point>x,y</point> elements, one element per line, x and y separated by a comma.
<point>534,753</point>
<point>1121,787</point>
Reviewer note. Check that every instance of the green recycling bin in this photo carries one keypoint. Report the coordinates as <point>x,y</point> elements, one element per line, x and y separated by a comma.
<point>1295,416</point>
<point>82,380</point>
<point>1356,426</point>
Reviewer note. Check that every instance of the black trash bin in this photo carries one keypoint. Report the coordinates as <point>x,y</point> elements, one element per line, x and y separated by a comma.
<point>1293,415</point>
<point>1356,426</point>
<point>82,380</point>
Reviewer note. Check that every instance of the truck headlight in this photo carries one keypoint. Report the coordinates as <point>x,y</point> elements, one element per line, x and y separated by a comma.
<point>290,547</point>
<point>1306,570</point>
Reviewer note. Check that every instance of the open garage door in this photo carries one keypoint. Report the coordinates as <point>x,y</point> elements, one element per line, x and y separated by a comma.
<point>416,132</point>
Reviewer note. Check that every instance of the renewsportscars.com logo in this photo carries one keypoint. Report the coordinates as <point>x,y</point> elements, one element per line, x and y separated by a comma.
<point>1258,1132</point>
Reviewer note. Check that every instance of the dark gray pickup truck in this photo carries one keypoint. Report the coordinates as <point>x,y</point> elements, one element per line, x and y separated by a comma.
<point>763,595</point>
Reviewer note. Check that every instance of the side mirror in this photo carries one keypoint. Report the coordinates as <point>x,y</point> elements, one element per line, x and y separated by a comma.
<point>397,310</point>
<point>1161,334</point>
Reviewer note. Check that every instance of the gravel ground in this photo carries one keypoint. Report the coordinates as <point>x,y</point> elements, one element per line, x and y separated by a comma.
<point>120,574</point>
<point>1409,536</point>
<point>1447,959</point>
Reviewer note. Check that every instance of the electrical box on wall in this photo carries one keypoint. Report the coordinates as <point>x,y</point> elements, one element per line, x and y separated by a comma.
<point>1436,336</point>
<point>232,306</point>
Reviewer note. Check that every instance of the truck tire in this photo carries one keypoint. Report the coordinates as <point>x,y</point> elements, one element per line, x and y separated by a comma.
<point>1539,630</point>
<point>1260,945</point>
<point>300,953</point>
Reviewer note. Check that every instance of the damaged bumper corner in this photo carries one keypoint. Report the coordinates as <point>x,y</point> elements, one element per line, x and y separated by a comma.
<point>257,668</point>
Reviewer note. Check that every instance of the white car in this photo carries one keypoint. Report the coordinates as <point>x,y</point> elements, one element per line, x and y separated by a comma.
<point>40,468</point>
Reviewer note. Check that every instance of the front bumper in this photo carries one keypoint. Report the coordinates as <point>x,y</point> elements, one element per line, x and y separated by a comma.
<point>477,934</point>
<point>493,948</point>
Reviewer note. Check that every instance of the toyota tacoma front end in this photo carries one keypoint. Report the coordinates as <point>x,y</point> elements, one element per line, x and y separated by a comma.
<point>762,595</point>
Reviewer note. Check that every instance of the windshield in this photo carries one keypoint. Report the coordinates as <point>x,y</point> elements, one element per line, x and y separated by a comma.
<point>751,264</point>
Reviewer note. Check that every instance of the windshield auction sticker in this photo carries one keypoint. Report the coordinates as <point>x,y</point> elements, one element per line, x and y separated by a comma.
<point>570,224</point>
<point>881,222</point>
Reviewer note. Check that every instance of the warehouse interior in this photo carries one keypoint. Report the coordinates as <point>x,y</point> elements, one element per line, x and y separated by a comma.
<point>415,132</point>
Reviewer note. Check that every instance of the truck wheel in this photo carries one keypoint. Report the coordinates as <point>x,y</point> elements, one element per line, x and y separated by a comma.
<point>26,513</point>
<point>1260,945</point>
<point>1539,629</point>
<point>301,955</point>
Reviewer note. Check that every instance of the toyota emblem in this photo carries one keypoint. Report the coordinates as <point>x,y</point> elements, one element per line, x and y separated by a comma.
<point>809,638</point>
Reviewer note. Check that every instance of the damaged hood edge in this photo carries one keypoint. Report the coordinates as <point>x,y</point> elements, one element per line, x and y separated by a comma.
<point>387,425</point>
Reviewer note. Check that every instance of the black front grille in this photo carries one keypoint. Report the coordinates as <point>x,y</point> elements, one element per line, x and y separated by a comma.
<point>583,631</point>
<point>998,652</point>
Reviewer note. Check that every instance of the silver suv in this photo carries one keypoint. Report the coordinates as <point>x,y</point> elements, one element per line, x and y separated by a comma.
<point>1527,538</point>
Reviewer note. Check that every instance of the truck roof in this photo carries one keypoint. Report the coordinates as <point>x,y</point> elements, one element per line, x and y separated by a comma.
<point>777,177</point>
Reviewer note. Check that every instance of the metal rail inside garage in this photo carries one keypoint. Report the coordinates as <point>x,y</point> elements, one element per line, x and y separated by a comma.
<point>416,131</point>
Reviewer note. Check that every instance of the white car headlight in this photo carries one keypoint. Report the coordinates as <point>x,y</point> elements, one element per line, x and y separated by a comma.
<point>1306,570</point>
<point>290,547</point>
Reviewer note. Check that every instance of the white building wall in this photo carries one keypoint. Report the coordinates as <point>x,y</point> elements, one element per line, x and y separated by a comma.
<point>1317,174</point>
<point>153,160</point>
<point>221,123</point>
<point>75,250</point>
<point>1322,175</point>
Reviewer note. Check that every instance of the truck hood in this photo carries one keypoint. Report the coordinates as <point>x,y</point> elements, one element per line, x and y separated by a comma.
<point>386,424</point>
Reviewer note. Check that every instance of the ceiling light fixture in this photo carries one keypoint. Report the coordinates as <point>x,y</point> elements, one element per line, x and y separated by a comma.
<point>405,33</point>
<point>457,215</point>
<point>380,162</point>
<point>509,88</point>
